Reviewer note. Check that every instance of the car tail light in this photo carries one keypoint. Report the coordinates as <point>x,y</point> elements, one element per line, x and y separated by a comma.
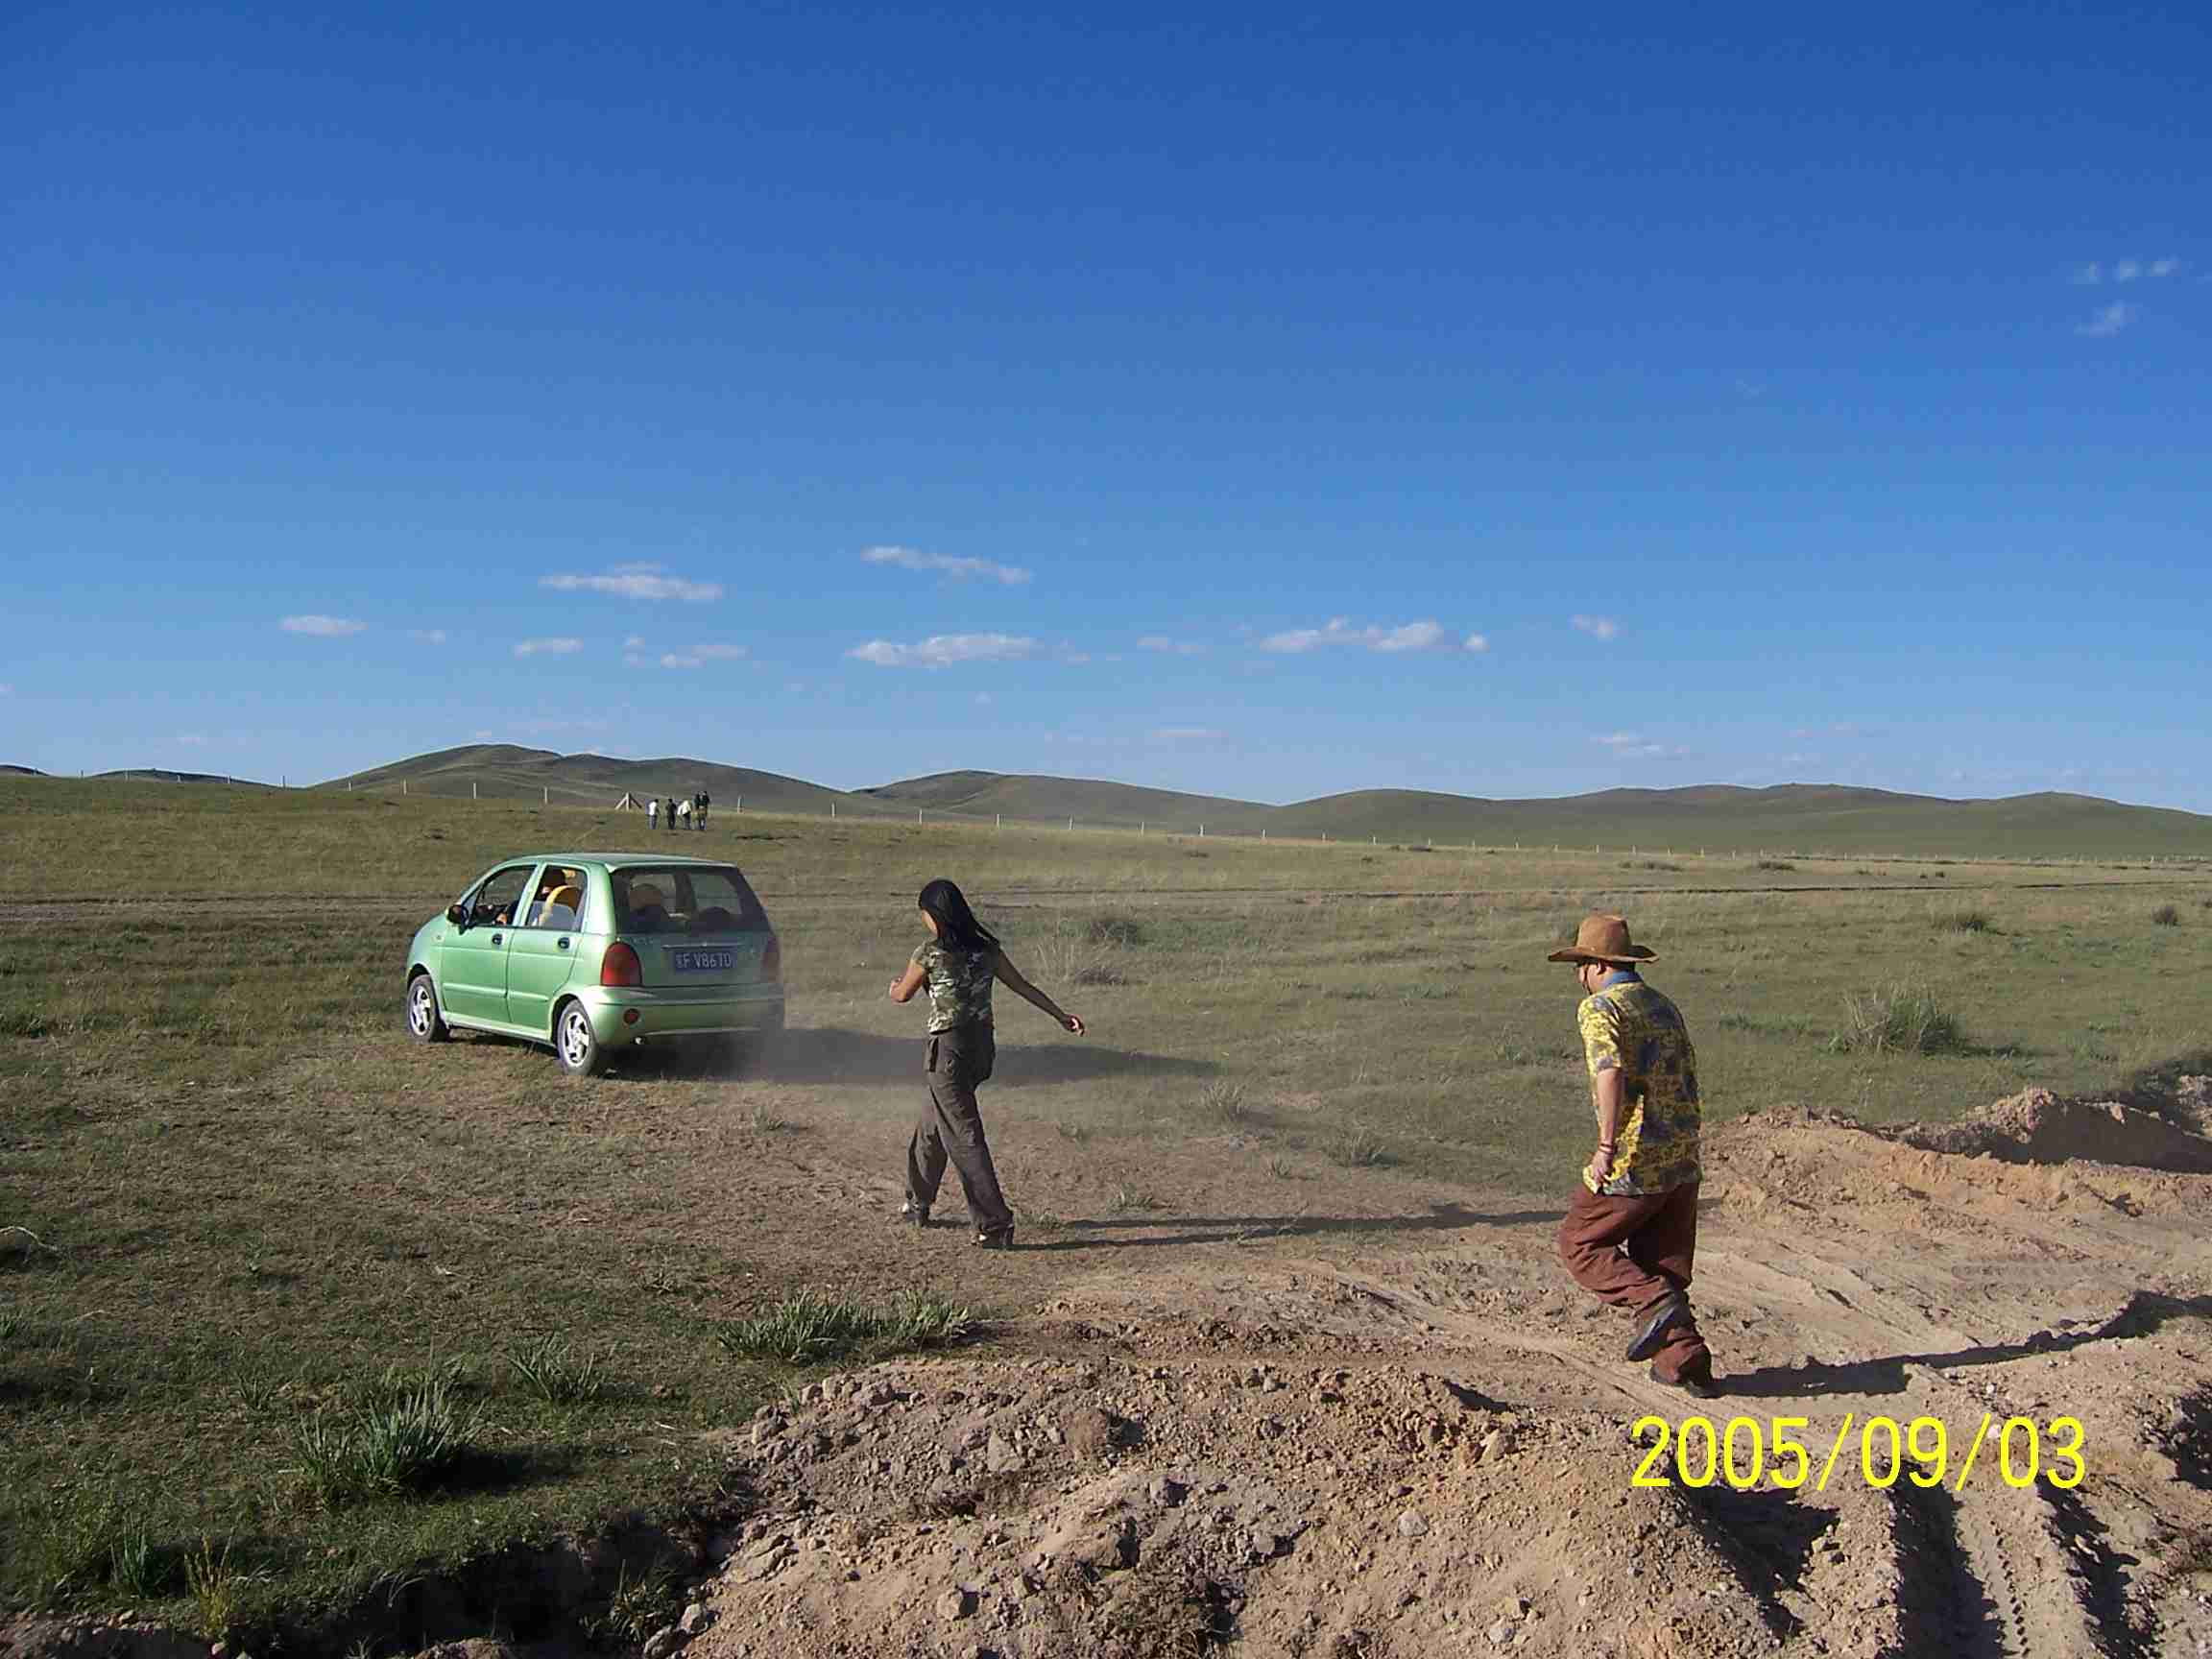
<point>620,967</point>
<point>772,959</point>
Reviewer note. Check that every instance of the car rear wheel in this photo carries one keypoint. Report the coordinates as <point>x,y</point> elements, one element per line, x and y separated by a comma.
<point>575,1045</point>
<point>425,1023</point>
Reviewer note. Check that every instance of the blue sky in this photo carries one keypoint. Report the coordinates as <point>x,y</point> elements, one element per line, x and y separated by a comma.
<point>1226,399</point>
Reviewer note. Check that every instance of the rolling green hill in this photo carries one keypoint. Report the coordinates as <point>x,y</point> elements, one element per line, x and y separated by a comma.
<point>1088,801</point>
<point>1808,818</point>
<point>501,771</point>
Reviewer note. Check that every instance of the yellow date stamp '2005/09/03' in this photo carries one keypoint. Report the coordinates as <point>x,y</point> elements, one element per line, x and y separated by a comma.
<point>1747,1452</point>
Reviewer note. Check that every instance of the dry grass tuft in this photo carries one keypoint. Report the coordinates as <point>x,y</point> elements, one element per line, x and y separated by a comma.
<point>1897,1019</point>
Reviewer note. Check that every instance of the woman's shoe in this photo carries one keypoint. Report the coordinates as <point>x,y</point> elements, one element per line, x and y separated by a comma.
<point>1002,1239</point>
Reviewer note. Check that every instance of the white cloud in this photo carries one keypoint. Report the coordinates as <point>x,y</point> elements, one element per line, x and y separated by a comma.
<point>2108,321</point>
<point>548,647</point>
<point>675,659</point>
<point>1426,635</point>
<point>2164,267</point>
<point>427,636</point>
<point>1475,642</point>
<point>193,739</point>
<point>635,642</point>
<point>2127,271</point>
<point>941,650</point>
<point>1173,647</point>
<point>1598,627</point>
<point>718,653</point>
<point>322,627</point>
<point>1635,746</point>
<point>945,564</point>
<point>636,582</point>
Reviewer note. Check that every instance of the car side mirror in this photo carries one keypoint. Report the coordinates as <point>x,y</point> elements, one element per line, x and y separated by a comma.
<point>456,915</point>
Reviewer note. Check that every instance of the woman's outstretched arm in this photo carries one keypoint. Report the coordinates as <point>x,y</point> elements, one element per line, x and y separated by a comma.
<point>1010,976</point>
<point>904,987</point>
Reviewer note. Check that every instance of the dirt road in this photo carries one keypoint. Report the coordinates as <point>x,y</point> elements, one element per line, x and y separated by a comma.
<point>1423,1447</point>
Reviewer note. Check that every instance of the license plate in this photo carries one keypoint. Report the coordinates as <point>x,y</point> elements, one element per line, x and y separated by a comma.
<point>702,961</point>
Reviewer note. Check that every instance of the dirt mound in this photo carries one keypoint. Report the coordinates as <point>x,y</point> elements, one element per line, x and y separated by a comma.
<point>2036,1126</point>
<point>1033,1508</point>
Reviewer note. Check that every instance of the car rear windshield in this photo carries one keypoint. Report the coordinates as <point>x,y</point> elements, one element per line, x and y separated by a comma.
<point>688,898</point>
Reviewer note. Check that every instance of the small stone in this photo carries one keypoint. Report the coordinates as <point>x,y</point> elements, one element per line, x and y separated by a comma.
<point>1493,1443</point>
<point>696,1618</point>
<point>665,1644</point>
<point>1516,1606</point>
<point>957,1602</point>
<point>999,1455</point>
<point>1411,1524</point>
<point>1168,1492</point>
<point>1499,1633</point>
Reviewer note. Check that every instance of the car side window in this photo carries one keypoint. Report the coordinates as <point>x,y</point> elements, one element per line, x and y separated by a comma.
<point>558,903</point>
<point>497,901</point>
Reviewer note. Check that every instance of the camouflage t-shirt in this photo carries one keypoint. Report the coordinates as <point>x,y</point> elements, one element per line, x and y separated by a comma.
<point>959,984</point>
<point>1629,1025</point>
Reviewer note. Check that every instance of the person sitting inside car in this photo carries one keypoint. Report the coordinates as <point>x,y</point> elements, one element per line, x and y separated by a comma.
<point>648,909</point>
<point>559,892</point>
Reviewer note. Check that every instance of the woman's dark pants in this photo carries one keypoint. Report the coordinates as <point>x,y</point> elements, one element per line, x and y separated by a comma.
<point>952,1126</point>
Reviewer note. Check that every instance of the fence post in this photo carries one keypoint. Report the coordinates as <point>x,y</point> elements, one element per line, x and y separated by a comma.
<point>997,820</point>
<point>402,785</point>
<point>741,806</point>
<point>472,788</point>
<point>546,793</point>
<point>917,815</point>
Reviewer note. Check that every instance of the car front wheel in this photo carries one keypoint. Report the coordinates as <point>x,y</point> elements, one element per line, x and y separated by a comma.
<point>425,1023</point>
<point>575,1043</point>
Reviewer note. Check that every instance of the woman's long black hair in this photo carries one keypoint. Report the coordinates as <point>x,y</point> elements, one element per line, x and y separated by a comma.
<point>956,924</point>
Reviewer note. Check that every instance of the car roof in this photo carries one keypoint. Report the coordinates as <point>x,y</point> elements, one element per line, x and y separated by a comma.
<point>610,860</point>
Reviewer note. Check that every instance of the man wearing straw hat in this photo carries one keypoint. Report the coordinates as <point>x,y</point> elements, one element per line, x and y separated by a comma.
<point>1630,1234</point>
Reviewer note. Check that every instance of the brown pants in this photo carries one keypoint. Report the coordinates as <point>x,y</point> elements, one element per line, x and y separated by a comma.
<point>1634,1253</point>
<point>952,1126</point>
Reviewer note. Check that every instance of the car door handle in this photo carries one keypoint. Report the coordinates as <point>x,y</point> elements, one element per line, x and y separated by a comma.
<point>559,944</point>
<point>495,938</point>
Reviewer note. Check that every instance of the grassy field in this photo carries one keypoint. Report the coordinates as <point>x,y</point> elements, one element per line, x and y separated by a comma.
<point>264,1240</point>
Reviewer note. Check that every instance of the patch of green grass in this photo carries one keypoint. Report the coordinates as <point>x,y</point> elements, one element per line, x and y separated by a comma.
<point>1963,922</point>
<point>557,1372</point>
<point>214,1586</point>
<point>1360,1149</point>
<point>1226,1102</point>
<point>1069,1129</point>
<point>1115,930</point>
<point>763,1119</point>
<point>1897,1019</point>
<point>639,1605</point>
<point>1774,864</point>
<point>2166,915</point>
<point>812,1329</point>
<point>1127,1197</point>
<point>403,1441</point>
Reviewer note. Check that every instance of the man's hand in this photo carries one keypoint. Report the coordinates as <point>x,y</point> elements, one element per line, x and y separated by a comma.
<point>1602,1164</point>
<point>1071,1022</point>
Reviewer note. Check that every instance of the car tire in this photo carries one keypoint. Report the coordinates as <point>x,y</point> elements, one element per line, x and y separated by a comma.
<point>425,1019</point>
<point>575,1045</point>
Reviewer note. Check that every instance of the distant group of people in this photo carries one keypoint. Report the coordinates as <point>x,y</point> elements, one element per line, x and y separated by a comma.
<point>691,811</point>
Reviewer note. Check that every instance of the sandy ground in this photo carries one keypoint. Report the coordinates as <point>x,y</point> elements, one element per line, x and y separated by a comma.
<point>1311,1440</point>
<point>1425,1448</point>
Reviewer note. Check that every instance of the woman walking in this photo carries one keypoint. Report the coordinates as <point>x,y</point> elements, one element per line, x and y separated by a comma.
<point>958,962</point>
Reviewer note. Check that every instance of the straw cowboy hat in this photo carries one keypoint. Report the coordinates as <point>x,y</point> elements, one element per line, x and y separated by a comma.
<point>1604,939</point>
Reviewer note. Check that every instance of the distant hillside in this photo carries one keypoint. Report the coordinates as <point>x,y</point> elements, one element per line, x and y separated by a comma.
<point>502,771</point>
<point>1790,817</point>
<point>20,772</point>
<point>163,775</point>
<point>1088,801</point>
<point>1810,818</point>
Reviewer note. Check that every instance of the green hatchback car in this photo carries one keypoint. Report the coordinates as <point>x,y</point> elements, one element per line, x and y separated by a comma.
<point>591,952</point>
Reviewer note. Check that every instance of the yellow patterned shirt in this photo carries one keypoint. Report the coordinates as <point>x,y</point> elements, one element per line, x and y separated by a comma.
<point>1630,1026</point>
